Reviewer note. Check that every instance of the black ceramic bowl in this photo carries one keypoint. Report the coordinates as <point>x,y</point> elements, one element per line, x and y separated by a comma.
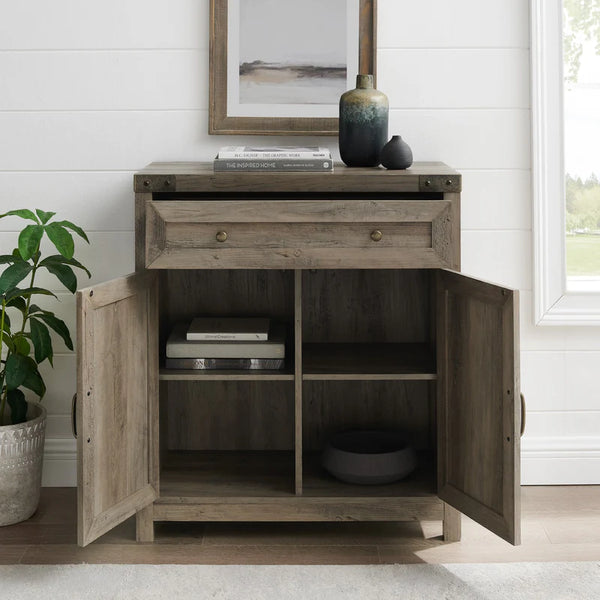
<point>369,457</point>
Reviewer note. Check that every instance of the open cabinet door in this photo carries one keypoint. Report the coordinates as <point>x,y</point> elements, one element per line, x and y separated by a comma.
<point>117,392</point>
<point>479,402</point>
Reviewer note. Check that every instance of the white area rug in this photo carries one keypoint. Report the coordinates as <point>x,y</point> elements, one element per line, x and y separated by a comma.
<point>514,581</point>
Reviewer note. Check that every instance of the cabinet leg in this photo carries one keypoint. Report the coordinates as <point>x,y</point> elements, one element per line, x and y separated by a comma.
<point>451,524</point>
<point>144,525</point>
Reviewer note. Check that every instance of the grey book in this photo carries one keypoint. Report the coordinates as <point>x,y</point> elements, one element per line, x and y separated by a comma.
<point>179,347</point>
<point>228,328</point>
<point>273,164</point>
<point>225,363</point>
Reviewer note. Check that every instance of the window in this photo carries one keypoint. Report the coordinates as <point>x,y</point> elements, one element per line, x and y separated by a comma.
<point>581,92</point>
<point>565,50</point>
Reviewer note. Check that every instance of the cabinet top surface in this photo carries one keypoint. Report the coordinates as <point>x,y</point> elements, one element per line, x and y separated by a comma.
<point>200,177</point>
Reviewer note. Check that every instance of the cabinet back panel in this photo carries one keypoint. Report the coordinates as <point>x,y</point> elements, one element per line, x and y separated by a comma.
<point>330,407</point>
<point>366,306</point>
<point>186,294</point>
<point>230,415</point>
<point>229,292</point>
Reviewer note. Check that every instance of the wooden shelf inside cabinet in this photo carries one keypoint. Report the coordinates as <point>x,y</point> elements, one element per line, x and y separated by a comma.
<point>190,475</point>
<point>368,362</point>
<point>319,483</point>
<point>286,374</point>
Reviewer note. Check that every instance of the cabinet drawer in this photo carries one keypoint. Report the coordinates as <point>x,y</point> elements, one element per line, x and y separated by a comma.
<point>299,234</point>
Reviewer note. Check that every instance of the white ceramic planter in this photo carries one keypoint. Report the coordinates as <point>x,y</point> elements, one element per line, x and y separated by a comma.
<point>21,453</point>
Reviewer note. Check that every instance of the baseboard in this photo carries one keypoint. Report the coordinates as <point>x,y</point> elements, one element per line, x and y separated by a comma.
<point>560,460</point>
<point>60,463</point>
<point>544,461</point>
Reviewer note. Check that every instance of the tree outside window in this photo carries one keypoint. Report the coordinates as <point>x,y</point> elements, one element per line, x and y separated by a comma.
<point>581,69</point>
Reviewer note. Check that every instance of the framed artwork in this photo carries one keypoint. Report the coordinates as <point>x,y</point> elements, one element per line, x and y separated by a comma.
<point>279,67</point>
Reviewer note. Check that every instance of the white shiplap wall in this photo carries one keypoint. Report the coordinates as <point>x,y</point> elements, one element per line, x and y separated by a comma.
<point>92,91</point>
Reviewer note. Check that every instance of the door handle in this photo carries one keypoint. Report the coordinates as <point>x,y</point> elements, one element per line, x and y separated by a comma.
<point>522,415</point>
<point>74,416</point>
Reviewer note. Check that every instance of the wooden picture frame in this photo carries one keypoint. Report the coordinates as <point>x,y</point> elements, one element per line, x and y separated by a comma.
<point>220,122</point>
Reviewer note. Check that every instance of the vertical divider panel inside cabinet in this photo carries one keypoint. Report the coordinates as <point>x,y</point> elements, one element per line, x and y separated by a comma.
<point>298,380</point>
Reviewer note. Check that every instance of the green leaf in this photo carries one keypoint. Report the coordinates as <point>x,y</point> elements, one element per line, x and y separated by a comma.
<point>34,382</point>
<point>44,216</point>
<point>6,335</point>
<point>40,336</point>
<point>29,240</point>
<point>57,258</point>
<point>24,213</point>
<point>58,325</point>
<point>13,275</point>
<point>6,259</point>
<point>6,321</point>
<point>7,341</point>
<point>18,406</point>
<point>27,292</point>
<point>21,345</point>
<point>17,369</point>
<point>33,308</point>
<point>61,238</point>
<point>80,232</point>
<point>16,254</point>
<point>18,303</point>
<point>64,274</point>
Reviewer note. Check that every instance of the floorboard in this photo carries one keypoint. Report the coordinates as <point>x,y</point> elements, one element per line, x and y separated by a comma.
<point>559,523</point>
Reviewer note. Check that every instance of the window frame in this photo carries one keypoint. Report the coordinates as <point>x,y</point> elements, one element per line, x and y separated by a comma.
<point>553,303</point>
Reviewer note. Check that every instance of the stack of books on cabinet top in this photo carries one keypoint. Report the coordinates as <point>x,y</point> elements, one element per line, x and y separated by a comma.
<point>273,158</point>
<point>226,343</point>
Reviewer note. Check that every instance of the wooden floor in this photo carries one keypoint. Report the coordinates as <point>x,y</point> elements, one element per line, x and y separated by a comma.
<point>558,524</point>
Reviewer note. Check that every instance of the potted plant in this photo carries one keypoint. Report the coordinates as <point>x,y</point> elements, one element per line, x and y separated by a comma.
<point>25,343</point>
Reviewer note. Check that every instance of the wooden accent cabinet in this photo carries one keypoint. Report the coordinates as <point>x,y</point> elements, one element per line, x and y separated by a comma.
<point>361,265</point>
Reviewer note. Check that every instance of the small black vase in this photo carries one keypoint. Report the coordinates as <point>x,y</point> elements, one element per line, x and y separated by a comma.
<point>363,124</point>
<point>396,154</point>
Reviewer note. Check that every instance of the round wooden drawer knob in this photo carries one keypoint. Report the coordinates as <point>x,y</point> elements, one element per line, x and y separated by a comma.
<point>221,236</point>
<point>376,235</point>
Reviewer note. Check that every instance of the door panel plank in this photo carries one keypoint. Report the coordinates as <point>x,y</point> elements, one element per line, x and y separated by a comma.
<point>117,368</point>
<point>478,402</point>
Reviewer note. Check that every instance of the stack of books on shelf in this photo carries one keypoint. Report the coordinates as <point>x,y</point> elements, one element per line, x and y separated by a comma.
<point>226,343</point>
<point>273,158</point>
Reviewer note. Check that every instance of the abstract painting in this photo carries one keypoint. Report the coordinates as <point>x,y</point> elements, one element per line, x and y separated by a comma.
<point>280,66</point>
<point>292,52</point>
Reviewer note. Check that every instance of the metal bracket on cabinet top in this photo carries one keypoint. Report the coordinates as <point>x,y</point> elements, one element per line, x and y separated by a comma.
<point>440,183</point>
<point>154,183</point>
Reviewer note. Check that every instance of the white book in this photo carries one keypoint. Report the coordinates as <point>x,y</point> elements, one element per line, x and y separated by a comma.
<point>274,152</point>
<point>179,347</point>
<point>228,328</point>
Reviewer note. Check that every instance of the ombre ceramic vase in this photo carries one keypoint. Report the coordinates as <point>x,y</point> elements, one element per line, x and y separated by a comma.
<point>363,124</point>
<point>396,154</point>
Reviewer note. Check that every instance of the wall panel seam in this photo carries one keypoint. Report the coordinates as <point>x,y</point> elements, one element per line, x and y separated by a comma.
<point>98,50</point>
<point>132,171</point>
<point>198,110</point>
<point>445,48</point>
